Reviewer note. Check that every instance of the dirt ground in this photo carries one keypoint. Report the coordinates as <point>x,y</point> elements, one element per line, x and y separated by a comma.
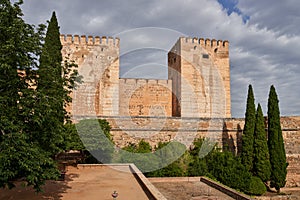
<point>81,184</point>
<point>189,191</point>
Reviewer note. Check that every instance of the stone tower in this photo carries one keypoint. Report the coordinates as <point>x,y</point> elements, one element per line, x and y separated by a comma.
<point>98,62</point>
<point>200,74</point>
<point>198,85</point>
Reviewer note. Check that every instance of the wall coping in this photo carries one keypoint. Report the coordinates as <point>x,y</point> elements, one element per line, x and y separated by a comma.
<point>169,117</point>
<point>227,190</point>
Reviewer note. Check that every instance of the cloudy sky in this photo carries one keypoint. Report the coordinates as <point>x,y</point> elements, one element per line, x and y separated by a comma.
<point>264,38</point>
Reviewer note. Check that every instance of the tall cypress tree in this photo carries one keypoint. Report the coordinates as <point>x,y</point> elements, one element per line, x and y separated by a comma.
<point>275,143</point>
<point>247,137</point>
<point>261,158</point>
<point>50,89</point>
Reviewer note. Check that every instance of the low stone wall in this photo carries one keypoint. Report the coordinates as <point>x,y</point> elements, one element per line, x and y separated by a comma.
<point>227,132</point>
<point>151,191</point>
<point>230,192</point>
<point>174,179</point>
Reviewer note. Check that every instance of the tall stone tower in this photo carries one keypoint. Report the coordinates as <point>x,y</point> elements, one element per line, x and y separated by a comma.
<point>200,74</point>
<point>98,61</point>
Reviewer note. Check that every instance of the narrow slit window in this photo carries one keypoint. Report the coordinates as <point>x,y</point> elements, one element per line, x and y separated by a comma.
<point>206,56</point>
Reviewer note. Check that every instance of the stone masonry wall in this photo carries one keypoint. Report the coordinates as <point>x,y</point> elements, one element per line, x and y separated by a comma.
<point>140,97</point>
<point>198,70</point>
<point>226,132</point>
<point>200,73</point>
<point>199,86</point>
<point>98,62</point>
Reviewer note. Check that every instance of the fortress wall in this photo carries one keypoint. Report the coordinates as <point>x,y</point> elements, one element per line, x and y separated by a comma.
<point>145,97</point>
<point>205,77</point>
<point>226,132</point>
<point>174,73</point>
<point>98,64</point>
<point>199,74</point>
<point>291,135</point>
<point>198,68</point>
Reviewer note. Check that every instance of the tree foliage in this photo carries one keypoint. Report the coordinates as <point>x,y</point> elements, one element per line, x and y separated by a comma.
<point>172,158</point>
<point>56,79</point>
<point>255,186</point>
<point>18,44</point>
<point>229,170</point>
<point>96,139</point>
<point>20,157</point>
<point>261,158</point>
<point>71,138</point>
<point>247,137</point>
<point>225,167</point>
<point>275,143</point>
<point>32,96</point>
<point>140,154</point>
<point>49,105</point>
<point>197,166</point>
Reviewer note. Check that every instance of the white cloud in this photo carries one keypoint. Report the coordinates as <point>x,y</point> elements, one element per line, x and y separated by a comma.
<point>263,51</point>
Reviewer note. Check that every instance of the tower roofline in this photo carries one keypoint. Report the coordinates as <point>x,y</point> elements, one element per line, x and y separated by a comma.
<point>89,40</point>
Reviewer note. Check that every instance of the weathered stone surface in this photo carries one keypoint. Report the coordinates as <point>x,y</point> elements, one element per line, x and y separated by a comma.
<point>226,133</point>
<point>145,97</point>
<point>197,95</point>
<point>201,78</point>
<point>198,85</point>
<point>98,62</point>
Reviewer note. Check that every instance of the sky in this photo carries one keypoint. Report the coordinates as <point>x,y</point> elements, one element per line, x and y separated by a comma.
<point>264,38</point>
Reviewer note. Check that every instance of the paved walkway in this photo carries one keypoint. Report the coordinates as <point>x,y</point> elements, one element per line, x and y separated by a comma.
<point>92,183</point>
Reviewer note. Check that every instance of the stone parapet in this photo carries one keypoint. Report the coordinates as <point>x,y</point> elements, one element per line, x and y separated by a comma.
<point>145,97</point>
<point>89,40</point>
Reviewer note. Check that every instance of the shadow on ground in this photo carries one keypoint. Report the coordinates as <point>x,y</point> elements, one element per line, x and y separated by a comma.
<point>52,190</point>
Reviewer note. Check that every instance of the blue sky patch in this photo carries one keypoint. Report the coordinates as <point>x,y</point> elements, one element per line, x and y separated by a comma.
<point>231,6</point>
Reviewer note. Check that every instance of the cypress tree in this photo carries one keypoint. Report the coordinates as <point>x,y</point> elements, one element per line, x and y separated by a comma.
<point>50,90</point>
<point>247,137</point>
<point>261,162</point>
<point>275,143</point>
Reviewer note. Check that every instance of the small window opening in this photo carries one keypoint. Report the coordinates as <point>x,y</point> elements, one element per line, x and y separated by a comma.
<point>206,56</point>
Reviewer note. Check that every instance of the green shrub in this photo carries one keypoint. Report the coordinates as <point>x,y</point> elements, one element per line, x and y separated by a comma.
<point>256,186</point>
<point>95,136</point>
<point>227,169</point>
<point>140,154</point>
<point>172,160</point>
<point>198,167</point>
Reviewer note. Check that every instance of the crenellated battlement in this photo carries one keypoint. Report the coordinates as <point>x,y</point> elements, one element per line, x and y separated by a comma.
<point>89,40</point>
<point>194,60</point>
<point>137,82</point>
<point>185,94</point>
<point>206,43</point>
